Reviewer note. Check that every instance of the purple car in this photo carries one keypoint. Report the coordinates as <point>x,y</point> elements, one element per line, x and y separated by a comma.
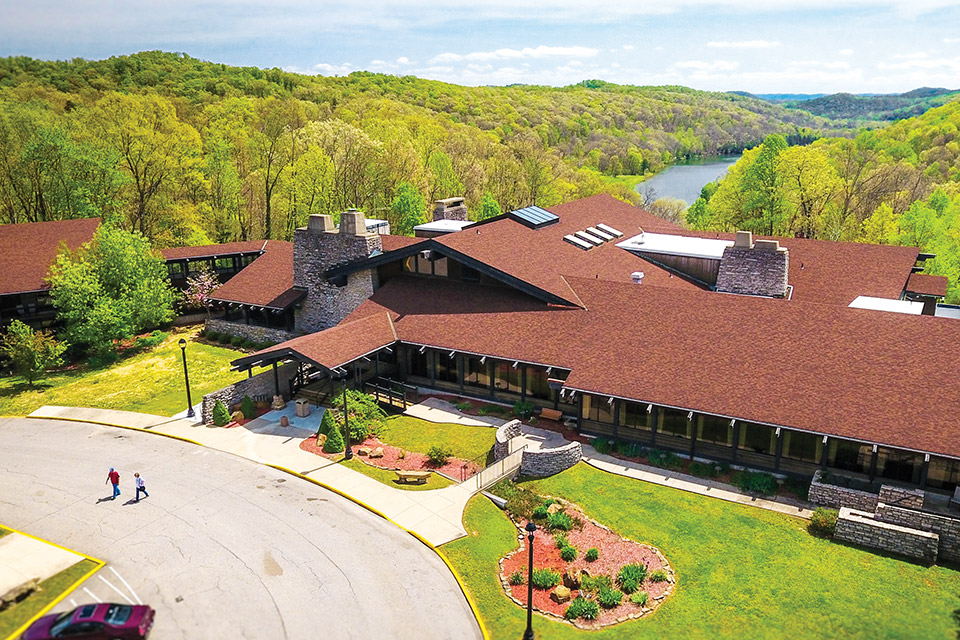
<point>102,621</point>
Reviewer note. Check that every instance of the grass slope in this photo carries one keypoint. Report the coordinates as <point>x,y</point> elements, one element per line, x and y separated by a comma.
<point>151,382</point>
<point>414,434</point>
<point>742,572</point>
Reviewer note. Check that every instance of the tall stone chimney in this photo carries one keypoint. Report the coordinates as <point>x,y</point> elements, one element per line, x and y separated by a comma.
<point>754,268</point>
<point>321,246</point>
<point>450,209</point>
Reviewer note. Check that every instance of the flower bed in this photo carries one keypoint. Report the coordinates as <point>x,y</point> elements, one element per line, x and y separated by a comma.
<point>614,552</point>
<point>396,459</point>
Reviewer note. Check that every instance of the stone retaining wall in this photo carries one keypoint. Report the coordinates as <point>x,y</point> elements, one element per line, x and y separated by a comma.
<point>947,528</point>
<point>261,384</point>
<point>860,528</point>
<point>548,462</point>
<point>900,497</point>
<point>249,331</point>
<point>505,433</point>
<point>829,495</point>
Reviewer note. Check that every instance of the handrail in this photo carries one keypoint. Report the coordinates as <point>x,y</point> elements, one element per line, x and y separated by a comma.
<point>499,469</point>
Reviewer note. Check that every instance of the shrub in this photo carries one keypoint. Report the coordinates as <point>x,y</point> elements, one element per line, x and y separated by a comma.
<point>568,553</point>
<point>236,341</point>
<point>602,445</point>
<point>800,488</point>
<point>665,459</point>
<point>595,583</point>
<point>326,423</point>
<point>544,579</point>
<point>463,406</point>
<point>247,407</point>
<point>658,576</point>
<point>334,443</point>
<point>631,449</point>
<point>559,520</point>
<point>640,598</point>
<point>702,470</point>
<point>212,336</point>
<point>540,513</point>
<point>246,343</point>
<point>104,359</point>
<point>224,338</point>
<point>609,598</point>
<point>581,607</point>
<point>631,576</point>
<point>560,541</point>
<point>517,577</point>
<point>755,482</point>
<point>438,455</point>
<point>823,522</point>
<point>520,502</point>
<point>152,340</point>
<point>221,415</point>
<point>366,416</point>
<point>592,554</point>
<point>549,501</point>
<point>523,409</point>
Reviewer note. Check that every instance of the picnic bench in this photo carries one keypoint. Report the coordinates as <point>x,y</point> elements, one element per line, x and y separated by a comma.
<point>551,414</point>
<point>413,477</point>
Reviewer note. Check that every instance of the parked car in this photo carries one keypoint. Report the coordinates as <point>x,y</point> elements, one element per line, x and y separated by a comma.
<point>102,621</point>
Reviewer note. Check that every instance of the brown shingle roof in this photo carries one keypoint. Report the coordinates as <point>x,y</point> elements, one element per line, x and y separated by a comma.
<point>265,282</point>
<point>212,250</point>
<point>392,243</point>
<point>927,285</point>
<point>27,250</point>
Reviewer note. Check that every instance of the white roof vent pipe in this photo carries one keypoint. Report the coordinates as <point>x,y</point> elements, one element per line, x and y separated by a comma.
<point>637,277</point>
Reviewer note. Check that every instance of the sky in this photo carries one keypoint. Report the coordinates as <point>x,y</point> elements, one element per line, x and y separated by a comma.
<point>761,46</point>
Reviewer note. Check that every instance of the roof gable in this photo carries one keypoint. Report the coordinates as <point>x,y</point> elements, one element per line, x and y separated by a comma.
<point>27,250</point>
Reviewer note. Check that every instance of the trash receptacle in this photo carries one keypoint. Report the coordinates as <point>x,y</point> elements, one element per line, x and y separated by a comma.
<point>302,408</point>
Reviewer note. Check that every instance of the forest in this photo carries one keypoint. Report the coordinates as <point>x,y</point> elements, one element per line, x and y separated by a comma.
<point>192,152</point>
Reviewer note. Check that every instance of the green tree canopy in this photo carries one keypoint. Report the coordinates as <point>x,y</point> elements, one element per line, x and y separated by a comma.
<point>30,352</point>
<point>488,207</point>
<point>409,209</point>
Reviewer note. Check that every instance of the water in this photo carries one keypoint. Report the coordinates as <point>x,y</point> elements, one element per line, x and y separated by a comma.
<point>684,181</point>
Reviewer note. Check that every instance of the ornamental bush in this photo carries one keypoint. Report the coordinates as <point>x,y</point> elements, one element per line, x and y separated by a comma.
<point>592,554</point>
<point>326,423</point>
<point>516,577</point>
<point>823,522</point>
<point>755,482</point>
<point>247,408</point>
<point>540,513</point>
<point>560,540</point>
<point>224,338</point>
<point>665,459</point>
<point>237,341</point>
<point>545,579</point>
<point>334,443</point>
<point>595,583</point>
<point>212,336</point>
<point>658,576</point>
<point>631,576</point>
<point>640,598</point>
<point>702,470</point>
<point>523,410</point>
<point>609,598</point>
<point>602,445</point>
<point>221,415</point>
<point>581,607</point>
<point>568,553</point>
<point>438,455</point>
<point>559,520</point>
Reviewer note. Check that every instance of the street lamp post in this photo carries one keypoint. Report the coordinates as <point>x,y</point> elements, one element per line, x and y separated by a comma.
<point>528,634</point>
<point>347,452</point>
<point>186,377</point>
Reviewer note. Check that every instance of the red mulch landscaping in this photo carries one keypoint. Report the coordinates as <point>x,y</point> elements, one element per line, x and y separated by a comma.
<point>615,552</point>
<point>392,460</point>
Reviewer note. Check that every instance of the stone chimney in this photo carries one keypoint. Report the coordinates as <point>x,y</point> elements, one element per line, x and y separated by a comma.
<point>321,246</point>
<point>754,268</point>
<point>450,209</point>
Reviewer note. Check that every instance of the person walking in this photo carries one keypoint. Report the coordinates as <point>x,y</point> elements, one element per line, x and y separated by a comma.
<point>114,478</point>
<point>141,486</point>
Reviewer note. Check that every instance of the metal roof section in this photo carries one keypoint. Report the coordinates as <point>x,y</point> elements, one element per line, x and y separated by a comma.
<point>583,235</point>
<point>888,304</point>
<point>577,242</point>
<point>610,230</point>
<point>603,235</point>
<point>443,226</point>
<point>534,217</point>
<point>686,246</point>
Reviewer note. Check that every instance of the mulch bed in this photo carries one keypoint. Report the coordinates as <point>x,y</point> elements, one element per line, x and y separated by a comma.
<point>396,459</point>
<point>615,552</point>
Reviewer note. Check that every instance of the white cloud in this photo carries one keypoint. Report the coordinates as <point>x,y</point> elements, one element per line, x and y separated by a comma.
<point>378,63</point>
<point>846,52</point>
<point>542,51</point>
<point>923,63</point>
<point>743,44</point>
<point>701,65</point>
<point>951,40</point>
<point>628,47</point>
<point>403,60</point>
<point>325,69</point>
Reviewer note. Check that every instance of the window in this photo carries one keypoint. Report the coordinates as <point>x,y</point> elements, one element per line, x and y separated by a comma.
<point>635,416</point>
<point>506,378</point>
<point>716,430</point>
<point>849,455</point>
<point>476,374</point>
<point>895,464</point>
<point>804,447</point>
<point>758,438</point>
<point>446,368</point>
<point>537,386</point>
<point>943,473</point>
<point>440,267</point>
<point>597,409</point>
<point>675,423</point>
<point>469,274</point>
<point>417,362</point>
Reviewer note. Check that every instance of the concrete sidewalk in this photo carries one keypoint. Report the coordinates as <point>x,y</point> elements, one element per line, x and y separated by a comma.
<point>24,558</point>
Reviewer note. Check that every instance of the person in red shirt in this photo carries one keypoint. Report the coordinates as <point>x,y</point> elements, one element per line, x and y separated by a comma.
<point>114,478</point>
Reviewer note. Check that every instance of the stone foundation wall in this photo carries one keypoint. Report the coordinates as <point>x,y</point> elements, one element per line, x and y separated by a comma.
<point>505,433</point>
<point>249,331</point>
<point>828,495</point>
<point>859,527</point>
<point>900,497</point>
<point>261,384</point>
<point>548,462</point>
<point>947,528</point>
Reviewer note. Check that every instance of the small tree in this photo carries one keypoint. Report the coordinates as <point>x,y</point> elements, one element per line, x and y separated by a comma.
<point>407,210</point>
<point>488,207</point>
<point>200,288</point>
<point>31,352</point>
<point>327,425</point>
<point>334,443</point>
<point>247,407</point>
<point>221,415</point>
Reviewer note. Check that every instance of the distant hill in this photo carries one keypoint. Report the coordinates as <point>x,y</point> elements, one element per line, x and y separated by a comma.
<point>865,106</point>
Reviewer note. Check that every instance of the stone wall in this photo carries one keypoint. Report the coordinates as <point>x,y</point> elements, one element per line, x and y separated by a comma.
<point>505,433</point>
<point>450,209</point>
<point>548,462</point>
<point>947,528</point>
<point>860,528</point>
<point>319,247</point>
<point>901,497</point>
<point>828,495</point>
<point>249,331</point>
<point>261,384</point>
<point>759,270</point>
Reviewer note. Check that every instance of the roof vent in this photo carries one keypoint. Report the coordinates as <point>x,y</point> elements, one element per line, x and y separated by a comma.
<point>637,277</point>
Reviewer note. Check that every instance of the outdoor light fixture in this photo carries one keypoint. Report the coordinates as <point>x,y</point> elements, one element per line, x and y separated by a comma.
<point>186,377</point>
<point>528,634</point>
<point>483,359</point>
<point>347,452</point>
<point>423,348</point>
<point>690,416</point>
<point>452,353</point>
<point>732,422</point>
<point>778,432</point>
<point>649,408</point>
<point>516,364</point>
<point>610,400</point>
<point>824,439</point>
<point>549,369</point>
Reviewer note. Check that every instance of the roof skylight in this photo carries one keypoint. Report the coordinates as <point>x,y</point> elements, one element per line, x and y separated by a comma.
<point>534,217</point>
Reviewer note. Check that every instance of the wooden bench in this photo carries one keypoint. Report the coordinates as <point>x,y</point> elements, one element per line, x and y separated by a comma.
<point>551,414</point>
<point>413,477</point>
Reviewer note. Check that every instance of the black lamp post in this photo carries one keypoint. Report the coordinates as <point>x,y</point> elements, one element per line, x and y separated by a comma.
<point>528,634</point>
<point>186,377</point>
<point>347,452</point>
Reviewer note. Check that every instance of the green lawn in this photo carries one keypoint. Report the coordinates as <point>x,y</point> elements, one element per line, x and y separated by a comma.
<point>414,434</point>
<point>742,572</point>
<point>627,180</point>
<point>151,382</point>
<point>50,589</point>
<point>435,481</point>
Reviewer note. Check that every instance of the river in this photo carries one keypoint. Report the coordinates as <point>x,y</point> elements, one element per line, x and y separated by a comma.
<point>684,181</point>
